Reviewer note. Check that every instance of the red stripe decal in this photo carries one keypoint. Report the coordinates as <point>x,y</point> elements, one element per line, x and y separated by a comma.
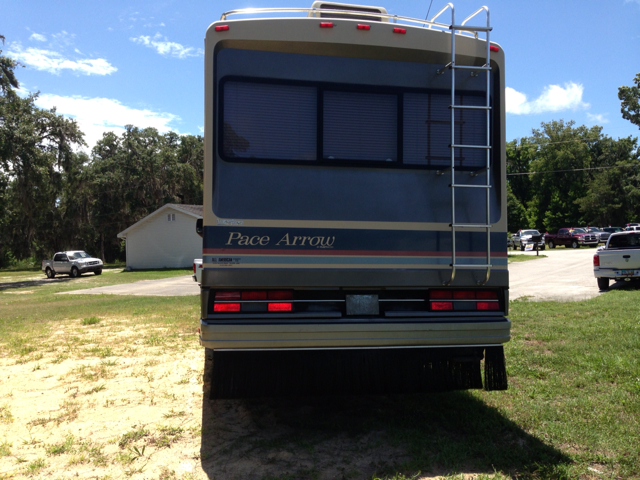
<point>352,253</point>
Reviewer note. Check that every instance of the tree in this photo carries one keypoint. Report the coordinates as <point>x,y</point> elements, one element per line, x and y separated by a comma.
<point>630,101</point>
<point>8,78</point>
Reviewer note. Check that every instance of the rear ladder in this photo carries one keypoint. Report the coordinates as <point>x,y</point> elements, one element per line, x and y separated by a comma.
<point>452,66</point>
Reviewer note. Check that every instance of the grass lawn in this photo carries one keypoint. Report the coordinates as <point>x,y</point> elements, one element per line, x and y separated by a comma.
<point>523,258</point>
<point>111,387</point>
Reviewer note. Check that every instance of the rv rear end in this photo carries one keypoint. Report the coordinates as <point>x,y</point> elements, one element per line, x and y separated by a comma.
<point>328,246</point>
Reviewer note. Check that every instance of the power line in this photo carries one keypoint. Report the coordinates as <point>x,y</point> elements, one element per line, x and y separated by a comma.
<point>574,170</point>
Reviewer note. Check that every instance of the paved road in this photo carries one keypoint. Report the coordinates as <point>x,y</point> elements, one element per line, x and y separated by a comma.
<point>176,286</point>
<point>563,274</point>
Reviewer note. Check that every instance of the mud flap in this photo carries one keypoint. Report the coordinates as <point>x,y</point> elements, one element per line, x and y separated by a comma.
<point>495,370</point>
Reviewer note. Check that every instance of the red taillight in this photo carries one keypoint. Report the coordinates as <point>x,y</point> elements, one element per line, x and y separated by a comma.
<point>440,294</point>
<point>226,307</point>
<point>364,27</point>
<point>494,48</point>
<point>400,30</point>
<point>227,296</point>
<point>326,24</point>
<point>486,295</point>
<point>280,295</point>
<point>222,28</point>
<point>464,294</point>
<point>441,305</point>
<point>194,267</point>
<point>596,260</point>
<point>254,295</point>
<point>280,307</point>
<point>487,305</point>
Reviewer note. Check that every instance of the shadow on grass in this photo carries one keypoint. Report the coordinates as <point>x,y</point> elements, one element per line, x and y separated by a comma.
<point>364,436</point>
<point>34,283</point>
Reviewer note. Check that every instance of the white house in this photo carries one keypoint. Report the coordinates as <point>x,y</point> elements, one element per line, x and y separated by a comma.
<point>166,238</point>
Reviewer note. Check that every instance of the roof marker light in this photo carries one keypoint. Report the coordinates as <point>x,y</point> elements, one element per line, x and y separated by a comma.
<point>326,24</point>
<point>400,30</point>
<point>222,28</point>
<point>364,27</point>
<point>493,48</point>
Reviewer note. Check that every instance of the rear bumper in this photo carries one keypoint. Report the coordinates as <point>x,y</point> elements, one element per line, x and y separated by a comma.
<point>437,331</point>
<point>616,274</point>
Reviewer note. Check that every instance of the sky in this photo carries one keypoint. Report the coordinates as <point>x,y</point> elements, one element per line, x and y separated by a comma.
<point>109,64</point>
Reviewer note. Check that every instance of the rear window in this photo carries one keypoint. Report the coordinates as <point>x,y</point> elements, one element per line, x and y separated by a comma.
<point>282,122</point>
<point>625,241</point>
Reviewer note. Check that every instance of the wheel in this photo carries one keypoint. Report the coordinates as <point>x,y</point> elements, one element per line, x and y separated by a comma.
<point>575,244</point>
<point>50,273</point>
<point>74,272</point>
<point>521,247</point>
<point>515,247</point>
<point>603,283</point>
<point>98,272</point>
<point>542,247</point>
<point>552,244</point>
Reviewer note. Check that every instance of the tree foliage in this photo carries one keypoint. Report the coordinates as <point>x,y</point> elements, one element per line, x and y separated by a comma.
<point>576,176</point>
<point>630,101</point>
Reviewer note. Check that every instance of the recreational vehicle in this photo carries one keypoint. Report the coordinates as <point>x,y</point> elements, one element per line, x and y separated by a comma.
<point>355,219</point>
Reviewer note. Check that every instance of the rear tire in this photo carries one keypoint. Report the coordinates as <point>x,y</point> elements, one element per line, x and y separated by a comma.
<point>542,247</point>
<point>521,247</point>
<point>50,273</point>
<point>575,244</point>
<point>75,273</point>
<point>603,283</point>
<point>552,244</point>
<point>98,272</point>
<point>515,247</point>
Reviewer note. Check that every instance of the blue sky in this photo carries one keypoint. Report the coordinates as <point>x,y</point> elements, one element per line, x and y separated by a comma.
<point>108,64</point>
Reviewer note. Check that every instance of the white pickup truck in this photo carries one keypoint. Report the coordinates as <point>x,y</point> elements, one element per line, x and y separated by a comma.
<point>619,259</point>
<point>73,263</point>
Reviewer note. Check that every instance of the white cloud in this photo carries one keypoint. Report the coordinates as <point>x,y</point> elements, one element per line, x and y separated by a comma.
<point>96,116</point>
<point>554,98</point>
<point>38,37</point>
<point>166,48</point>
<point>597,118</point>
<point>54,62</point>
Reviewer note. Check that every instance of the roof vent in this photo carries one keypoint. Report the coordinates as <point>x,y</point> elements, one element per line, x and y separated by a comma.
<point>346,7</point>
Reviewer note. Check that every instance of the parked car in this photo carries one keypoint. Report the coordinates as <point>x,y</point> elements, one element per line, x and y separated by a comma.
<point>197,271</point>
<point>509,241</point>
<point>73,263</point>
<point>619,259</point>
<point>523,238</point>
<point>605,232</point>
<point>596,231</point>
<point>571,237</point>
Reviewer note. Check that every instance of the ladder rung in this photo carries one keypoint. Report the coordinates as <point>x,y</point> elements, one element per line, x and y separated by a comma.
<point>483,147</point>
<point>458,265</point>
<point>464,185</point>
<point>470,28</point>
<point>469,67</point>
<point>469,225</point>
<point>469,107</point>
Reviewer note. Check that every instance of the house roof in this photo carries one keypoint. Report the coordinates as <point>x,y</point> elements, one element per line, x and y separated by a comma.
<point>193,210</point>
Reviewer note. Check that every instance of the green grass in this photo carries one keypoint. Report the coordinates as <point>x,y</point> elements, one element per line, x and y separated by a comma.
<point>514,257</point>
